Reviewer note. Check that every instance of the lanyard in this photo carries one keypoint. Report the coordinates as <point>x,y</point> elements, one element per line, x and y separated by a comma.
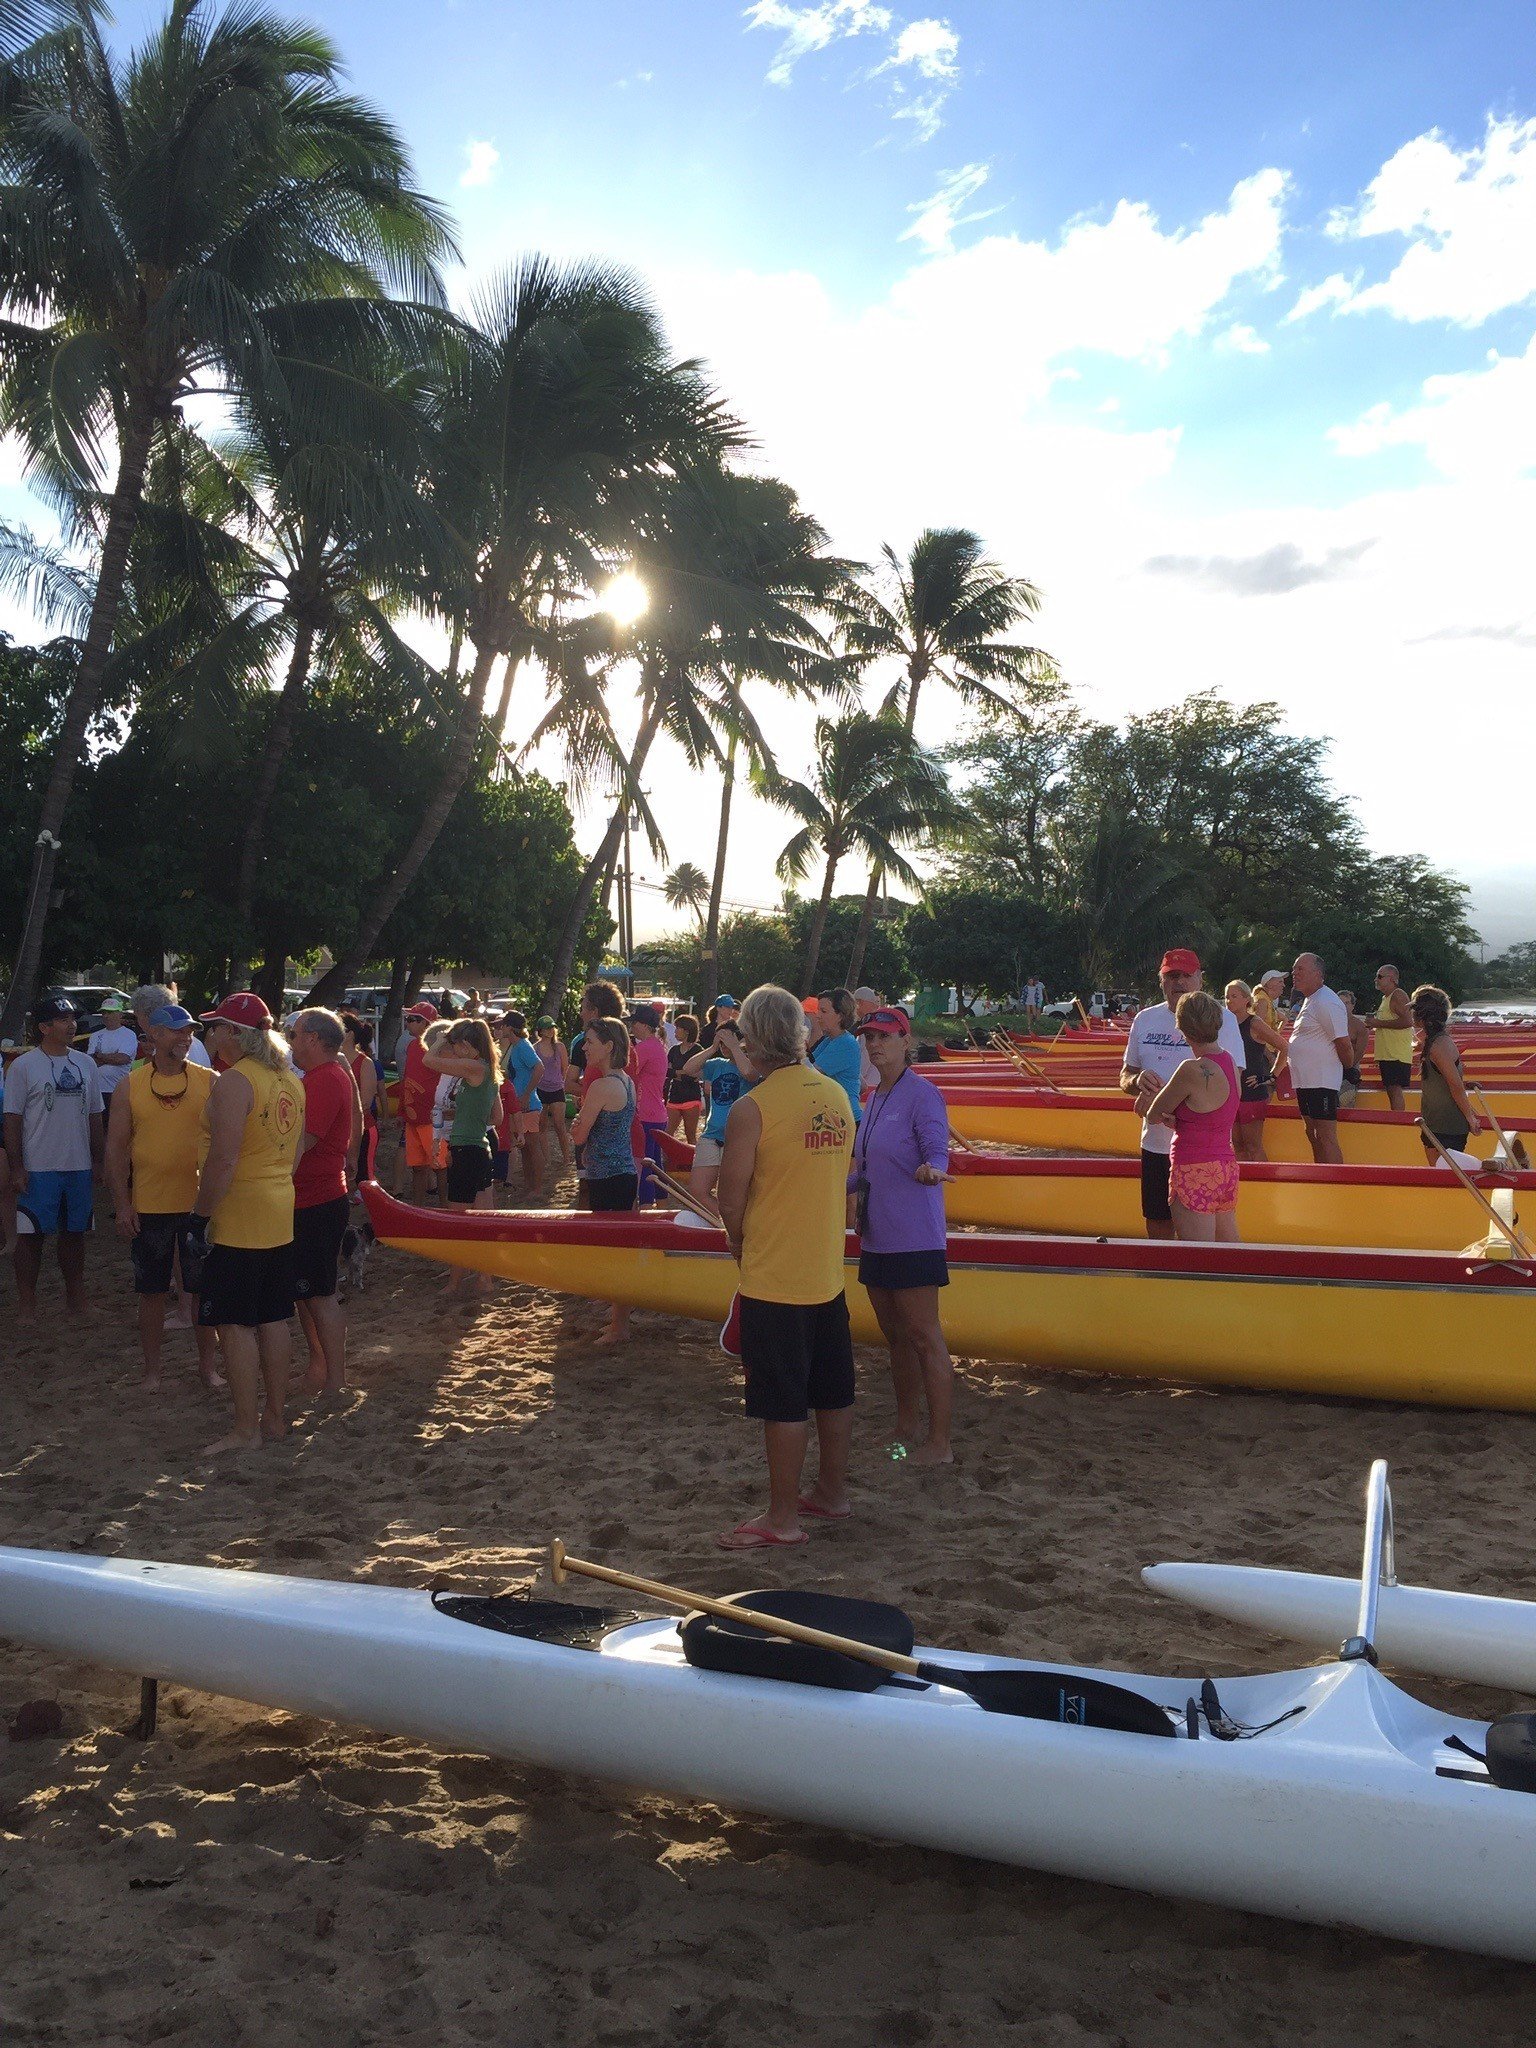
<point>876,1108</point>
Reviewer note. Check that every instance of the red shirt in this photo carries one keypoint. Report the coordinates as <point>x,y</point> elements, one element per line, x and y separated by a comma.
<point>321,1175</point>
<point>418,1085</point>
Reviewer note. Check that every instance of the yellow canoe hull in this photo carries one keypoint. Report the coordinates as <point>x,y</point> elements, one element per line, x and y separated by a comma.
<point>1394,1326</point>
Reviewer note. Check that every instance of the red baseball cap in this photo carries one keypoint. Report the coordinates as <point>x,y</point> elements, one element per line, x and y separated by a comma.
<point>426,1010</point>
<point>1180,960</point>
<point>244,1009</point>
<point>886,1024</point>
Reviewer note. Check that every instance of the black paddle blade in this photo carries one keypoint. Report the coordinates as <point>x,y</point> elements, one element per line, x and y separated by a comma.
<point>1056,1696</point>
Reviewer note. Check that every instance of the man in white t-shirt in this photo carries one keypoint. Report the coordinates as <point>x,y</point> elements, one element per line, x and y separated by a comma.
<point>114,1048</point>
<point>53,1146</point>
<point>1155,1048</point>
<point>1320,1051</point>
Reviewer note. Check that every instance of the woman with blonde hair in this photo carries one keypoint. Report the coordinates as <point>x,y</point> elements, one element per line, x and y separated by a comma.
<point>237,1251</point>
<point>1257,1079</point>
<point>1200,1100</point>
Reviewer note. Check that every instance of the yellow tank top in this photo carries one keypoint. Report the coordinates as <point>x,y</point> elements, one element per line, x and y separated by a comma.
<point>1392,1042</point>
<point>792,1241</point>
<point>257,1211</point>
<point>165,1126</point>
<point>1264,1006</point>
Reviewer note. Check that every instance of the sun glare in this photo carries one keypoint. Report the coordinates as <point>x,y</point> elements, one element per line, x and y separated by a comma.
<point>625,599</point>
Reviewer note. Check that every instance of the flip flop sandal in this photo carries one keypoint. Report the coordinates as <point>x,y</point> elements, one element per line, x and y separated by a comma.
<point>755,1538</point>
<point>809,1507</point>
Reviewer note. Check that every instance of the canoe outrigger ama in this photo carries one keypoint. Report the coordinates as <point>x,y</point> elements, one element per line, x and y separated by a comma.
<point>1323,1794</point>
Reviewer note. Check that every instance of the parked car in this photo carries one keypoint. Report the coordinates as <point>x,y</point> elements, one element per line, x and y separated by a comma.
<point>88,998</point>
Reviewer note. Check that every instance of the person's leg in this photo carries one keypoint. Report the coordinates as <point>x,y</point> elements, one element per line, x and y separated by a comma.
<point>1397,1100</point>
<point>534,1152</point>
<point>1323,1136</point>
<point>151,1336</point>
<point>1248,1139</point>
<point>906,1365</point>
<point>785,1443</point>
<point>207,1350</point>
<point>325,1324</point>
<point>28,1260</point>
<point>1226,1226</point>
<point>242,1367</point>
<point>701,1181</point>
<point>918,1309</point>
<point>1193,1226</point>
<point>1155,1211</point>
<point>274,1350</point>
<point>834,1441</point>
<point>691,1114</point>
<point>71,1257</point>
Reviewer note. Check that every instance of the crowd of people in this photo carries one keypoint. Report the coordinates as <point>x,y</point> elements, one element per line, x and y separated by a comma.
<point>232,1162</point>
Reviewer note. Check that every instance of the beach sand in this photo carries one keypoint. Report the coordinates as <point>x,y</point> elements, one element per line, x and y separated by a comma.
<point>253,1877</point>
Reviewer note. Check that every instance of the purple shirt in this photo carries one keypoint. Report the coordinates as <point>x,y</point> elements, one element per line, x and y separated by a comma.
<point>904,1127</point>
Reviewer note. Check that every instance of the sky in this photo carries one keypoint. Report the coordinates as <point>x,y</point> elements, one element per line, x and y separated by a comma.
<point>1217,322</point>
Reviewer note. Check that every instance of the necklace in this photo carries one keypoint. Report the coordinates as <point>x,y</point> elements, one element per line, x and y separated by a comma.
<point>169,1101</point>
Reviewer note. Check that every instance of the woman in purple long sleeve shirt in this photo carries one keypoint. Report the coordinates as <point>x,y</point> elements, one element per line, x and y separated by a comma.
<point>901,1157</point>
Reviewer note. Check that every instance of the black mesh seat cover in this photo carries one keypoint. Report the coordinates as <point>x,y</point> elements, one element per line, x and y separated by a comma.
<point>717,1645</point>
<point>1512,1752</point>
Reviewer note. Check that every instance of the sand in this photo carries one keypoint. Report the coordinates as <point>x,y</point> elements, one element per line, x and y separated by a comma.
<point>252,1877</point>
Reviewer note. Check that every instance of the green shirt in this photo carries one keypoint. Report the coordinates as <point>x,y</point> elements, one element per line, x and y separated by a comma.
<point>475,1109</point>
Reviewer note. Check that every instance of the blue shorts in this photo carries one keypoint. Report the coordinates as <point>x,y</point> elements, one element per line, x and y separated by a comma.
<point>58,1201</point>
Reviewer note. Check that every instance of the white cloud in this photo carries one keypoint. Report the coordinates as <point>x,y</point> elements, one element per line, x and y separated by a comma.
<point>1473,425</point>
<point>935,219</point>
<point>1333,291</point>
<point>931,46</point>
<point>1242,340</point>
<point>1469,218</point>
<point>809,28</point>
<point>480,161</point>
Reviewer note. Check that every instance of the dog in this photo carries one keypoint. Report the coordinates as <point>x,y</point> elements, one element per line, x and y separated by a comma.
<point>357,1243</point>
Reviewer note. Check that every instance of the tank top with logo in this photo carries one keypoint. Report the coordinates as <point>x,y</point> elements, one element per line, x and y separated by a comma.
<point>792,1240</point>
<point>256,1211</point>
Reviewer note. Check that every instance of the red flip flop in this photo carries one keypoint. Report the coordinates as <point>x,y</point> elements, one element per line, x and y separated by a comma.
<point>809,1507</point>
<point>730,1331</point>
<point>754,1537</point>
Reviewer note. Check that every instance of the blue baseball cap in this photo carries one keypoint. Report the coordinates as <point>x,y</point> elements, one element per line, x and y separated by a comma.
<point>726,1003</point>
<point>170,1017</point>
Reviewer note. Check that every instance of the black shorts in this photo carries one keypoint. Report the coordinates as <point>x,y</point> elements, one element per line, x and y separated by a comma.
<point>317,1234</point>
<point>1453,1141</point>
<point>1155,1169</point>
<point>896,1271</point>
<point>469,1170</point>
<point>246,1288</point>
<point>550,1096</point>
<point>1321,1105</point>
<point>613,1192</point>
<point>1395,1073</point>
<point>796,1356</point>
<point>153,1252</point>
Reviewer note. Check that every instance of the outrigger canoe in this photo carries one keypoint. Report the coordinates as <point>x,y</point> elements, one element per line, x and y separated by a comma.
<point>1345,1802</point>
<point>1407,1208</point>
<point>1104,1121</point>
<point>1505,1101</point>
<point>1382,1325</point>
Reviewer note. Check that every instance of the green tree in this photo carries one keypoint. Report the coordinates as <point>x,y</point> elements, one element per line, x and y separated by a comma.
<point>986,942</point>
<point>947,612</point>
<point>687,888</point>
<point>872,791</point>
<point>183,217</point>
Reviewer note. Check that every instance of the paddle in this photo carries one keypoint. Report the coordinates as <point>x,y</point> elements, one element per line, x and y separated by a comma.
<point>1520,1247</point>
<point>1032,1695</point>
<point>1513,1149</point>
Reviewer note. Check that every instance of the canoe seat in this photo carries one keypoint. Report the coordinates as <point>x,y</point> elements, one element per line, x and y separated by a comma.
<point>717,1645</point>
<point>1512,1752</point>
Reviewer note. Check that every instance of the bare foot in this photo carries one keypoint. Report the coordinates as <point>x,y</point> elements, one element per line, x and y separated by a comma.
<point>314,1381</point>
<point>832,1507</point>
<point>149,1383</point>
<point>931,1454</point>
<point>274,1431</point>
<point>233,1442</point>
<point>215,1382</point>
<point>608,1340</point>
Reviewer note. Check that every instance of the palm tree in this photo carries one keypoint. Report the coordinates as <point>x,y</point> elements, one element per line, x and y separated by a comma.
<point>944,613</point>
<point>713,615</point>
<point>1125,889</point>
<point>180,221</point>
<point>555,424</point>
<point>873,790</point>
<point>687,888</point>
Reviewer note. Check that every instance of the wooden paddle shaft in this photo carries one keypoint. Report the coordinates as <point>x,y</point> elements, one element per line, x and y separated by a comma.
<point>771,1624</point>
<point>1509,1230</point>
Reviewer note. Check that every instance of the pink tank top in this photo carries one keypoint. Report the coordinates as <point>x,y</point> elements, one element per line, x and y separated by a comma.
<point>1200,1134</point>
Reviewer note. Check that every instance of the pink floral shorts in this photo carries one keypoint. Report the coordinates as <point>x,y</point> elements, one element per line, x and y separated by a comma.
<point>1206,1186</point>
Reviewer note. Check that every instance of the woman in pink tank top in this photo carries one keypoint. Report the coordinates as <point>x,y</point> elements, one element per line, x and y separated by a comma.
<point>1201,1101</point>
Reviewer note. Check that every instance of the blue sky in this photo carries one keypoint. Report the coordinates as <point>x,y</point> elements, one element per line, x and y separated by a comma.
<point>1212,318</point>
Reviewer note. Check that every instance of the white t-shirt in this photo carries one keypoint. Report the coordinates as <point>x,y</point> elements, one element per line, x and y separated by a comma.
<point>55,1095</point>
<point>197,1054</point>
<point>1315,1062</point>
<point>1157,1045</point>
<point>113,1038</point>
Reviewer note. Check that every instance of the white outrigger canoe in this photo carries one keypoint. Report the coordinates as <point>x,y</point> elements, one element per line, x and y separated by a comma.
<point>1468,1636</point>
<point>1322,1795</point>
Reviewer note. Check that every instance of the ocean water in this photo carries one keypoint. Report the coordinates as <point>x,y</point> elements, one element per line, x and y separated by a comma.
<point>1465,1012</point>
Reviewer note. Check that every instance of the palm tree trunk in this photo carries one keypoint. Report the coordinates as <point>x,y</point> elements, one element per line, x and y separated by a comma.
<point>601,864</point>
<point>394,1004</point>
<point>84,697</point>
<point>456,768</point>
<point>818,927</point>
<point>867,914</point>
<point>279,746</point>
<point>710,968</point>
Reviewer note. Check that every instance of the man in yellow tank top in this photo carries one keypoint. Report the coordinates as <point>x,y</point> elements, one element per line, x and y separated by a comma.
<point>1394,1037</point>
<point>239,1235</point>
<point>783,1195</point>
<point>153,1147</point>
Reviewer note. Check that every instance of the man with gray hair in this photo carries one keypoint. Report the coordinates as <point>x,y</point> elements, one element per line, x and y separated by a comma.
<point>322,1182</point>
<point>1320,1050</point>
<point>155,995</point>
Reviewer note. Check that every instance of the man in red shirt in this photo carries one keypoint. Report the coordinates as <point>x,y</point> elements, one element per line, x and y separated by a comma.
<point>322,1179</point>
<point>418,1087</point>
